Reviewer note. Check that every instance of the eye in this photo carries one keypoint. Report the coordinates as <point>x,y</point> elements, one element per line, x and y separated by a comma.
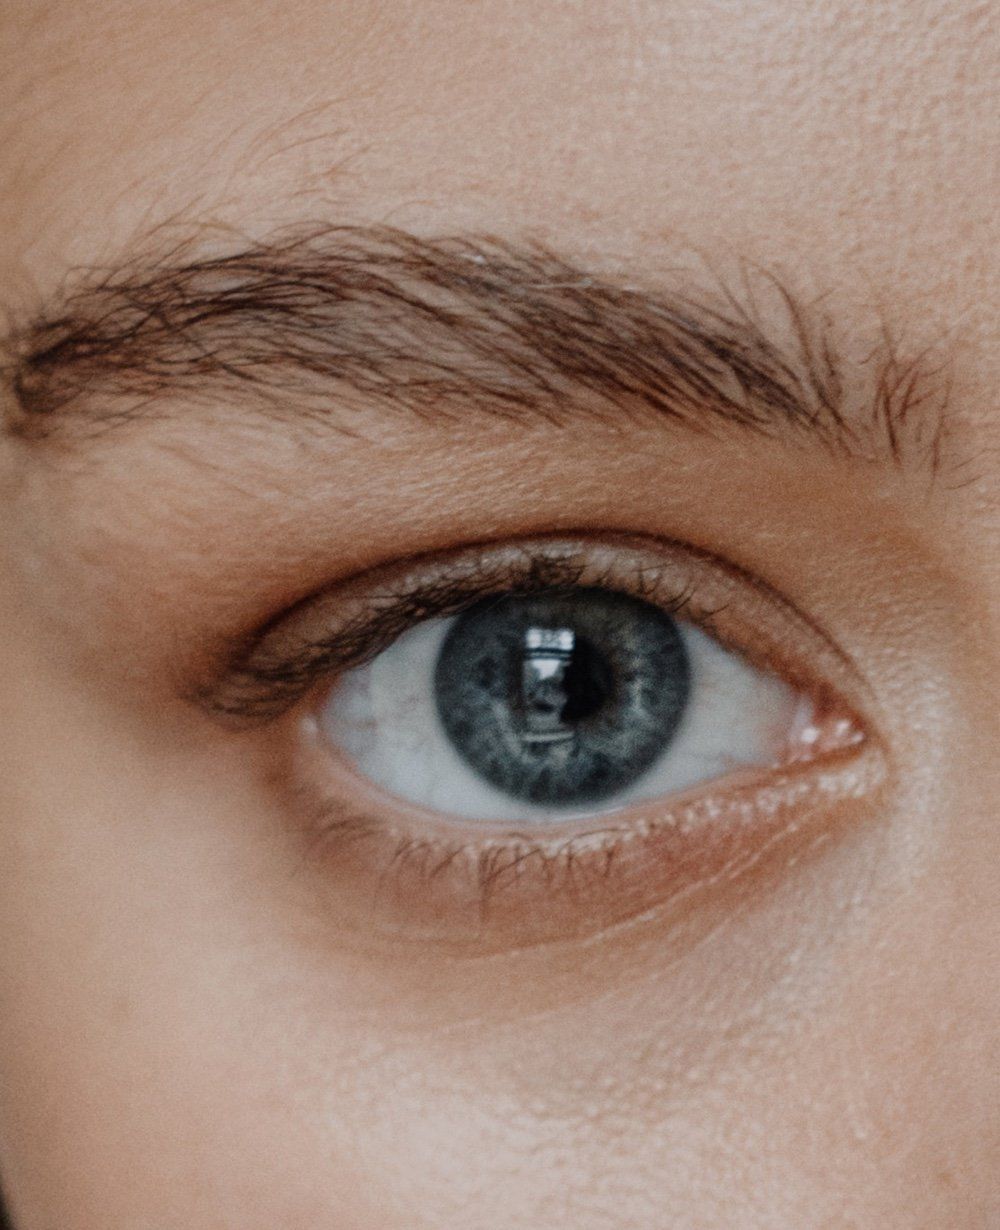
<point>518,743</point>
<point>557,704</point>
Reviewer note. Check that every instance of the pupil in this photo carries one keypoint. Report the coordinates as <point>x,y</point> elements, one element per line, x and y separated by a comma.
<point>588,682</point>
<point>565,680</point>
<point>565,697</point>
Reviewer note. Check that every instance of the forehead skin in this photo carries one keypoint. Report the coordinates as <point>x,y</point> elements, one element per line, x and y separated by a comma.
<point>830,136</point>
<point>850,145</point>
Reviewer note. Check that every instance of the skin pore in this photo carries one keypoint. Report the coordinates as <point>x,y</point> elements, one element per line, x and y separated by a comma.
<point>305,302</point>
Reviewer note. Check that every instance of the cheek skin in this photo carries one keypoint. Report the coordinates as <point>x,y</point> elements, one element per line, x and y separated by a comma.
<point>225,1006</point>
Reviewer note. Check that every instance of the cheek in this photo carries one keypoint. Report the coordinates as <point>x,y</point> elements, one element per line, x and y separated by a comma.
<point>187,1041</point>
<point>156,1064</point>
<point>187,1044</point>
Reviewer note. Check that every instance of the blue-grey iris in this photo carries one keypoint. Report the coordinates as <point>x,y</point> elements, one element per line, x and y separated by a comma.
<point>563,697</point>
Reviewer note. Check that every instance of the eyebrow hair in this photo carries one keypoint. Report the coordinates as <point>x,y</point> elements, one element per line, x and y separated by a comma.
<point>330,317</point>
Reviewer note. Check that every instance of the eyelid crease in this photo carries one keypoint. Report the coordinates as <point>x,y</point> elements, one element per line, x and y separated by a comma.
<point>351,623</point>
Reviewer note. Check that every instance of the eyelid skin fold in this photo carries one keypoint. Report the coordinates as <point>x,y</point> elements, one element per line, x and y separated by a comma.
<point>356,619</point>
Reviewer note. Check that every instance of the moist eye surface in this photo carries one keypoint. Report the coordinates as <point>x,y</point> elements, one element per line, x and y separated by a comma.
<point>548,683</point>
<point>562,698</point>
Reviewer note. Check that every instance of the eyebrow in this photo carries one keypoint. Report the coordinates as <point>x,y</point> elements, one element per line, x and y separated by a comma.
<point>333,318</point>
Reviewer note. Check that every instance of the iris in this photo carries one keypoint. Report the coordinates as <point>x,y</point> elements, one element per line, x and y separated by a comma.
<point>562,697</point>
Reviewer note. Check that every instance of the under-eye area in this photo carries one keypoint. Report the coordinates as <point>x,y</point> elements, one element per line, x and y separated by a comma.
<point>584,726</point>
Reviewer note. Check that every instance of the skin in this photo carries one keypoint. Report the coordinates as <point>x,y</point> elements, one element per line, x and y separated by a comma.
<point>201,1026</point>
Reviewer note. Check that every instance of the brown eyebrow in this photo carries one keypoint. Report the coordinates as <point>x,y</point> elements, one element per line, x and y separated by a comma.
<point>311,322</point>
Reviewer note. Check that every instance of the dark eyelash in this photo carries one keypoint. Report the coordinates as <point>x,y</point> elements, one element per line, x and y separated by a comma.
<point>574,861</point>
<point>262,683</point>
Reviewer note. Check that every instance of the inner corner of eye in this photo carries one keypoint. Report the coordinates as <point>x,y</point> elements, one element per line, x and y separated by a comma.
<point>561,704</point>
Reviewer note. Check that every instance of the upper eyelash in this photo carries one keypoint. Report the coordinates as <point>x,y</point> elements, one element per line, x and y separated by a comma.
<point>259,685</point>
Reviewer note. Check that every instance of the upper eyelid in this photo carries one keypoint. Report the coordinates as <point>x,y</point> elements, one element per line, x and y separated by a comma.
<point>273,669</point>
<point>348,643</point>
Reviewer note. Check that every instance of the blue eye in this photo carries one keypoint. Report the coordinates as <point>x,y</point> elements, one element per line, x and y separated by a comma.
<point>565,698</point>
<point>556,704</point>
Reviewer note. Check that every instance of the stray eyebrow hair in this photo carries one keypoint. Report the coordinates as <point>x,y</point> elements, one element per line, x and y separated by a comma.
<point>331,317</point>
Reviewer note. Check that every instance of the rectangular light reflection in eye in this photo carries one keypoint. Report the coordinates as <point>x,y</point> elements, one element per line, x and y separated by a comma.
<point>548,653</point>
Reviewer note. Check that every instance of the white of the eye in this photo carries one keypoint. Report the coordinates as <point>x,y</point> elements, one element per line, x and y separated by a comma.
<point>383,717</point>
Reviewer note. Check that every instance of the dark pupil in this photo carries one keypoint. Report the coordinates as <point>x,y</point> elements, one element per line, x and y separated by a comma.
<point>563,697</point>
<point>562,684</point>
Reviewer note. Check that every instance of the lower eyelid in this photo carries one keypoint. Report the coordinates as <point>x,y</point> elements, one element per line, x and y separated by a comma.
<point>407,876</point>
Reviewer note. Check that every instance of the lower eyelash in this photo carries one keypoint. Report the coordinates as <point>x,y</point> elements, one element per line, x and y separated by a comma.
<point>475,891</point>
